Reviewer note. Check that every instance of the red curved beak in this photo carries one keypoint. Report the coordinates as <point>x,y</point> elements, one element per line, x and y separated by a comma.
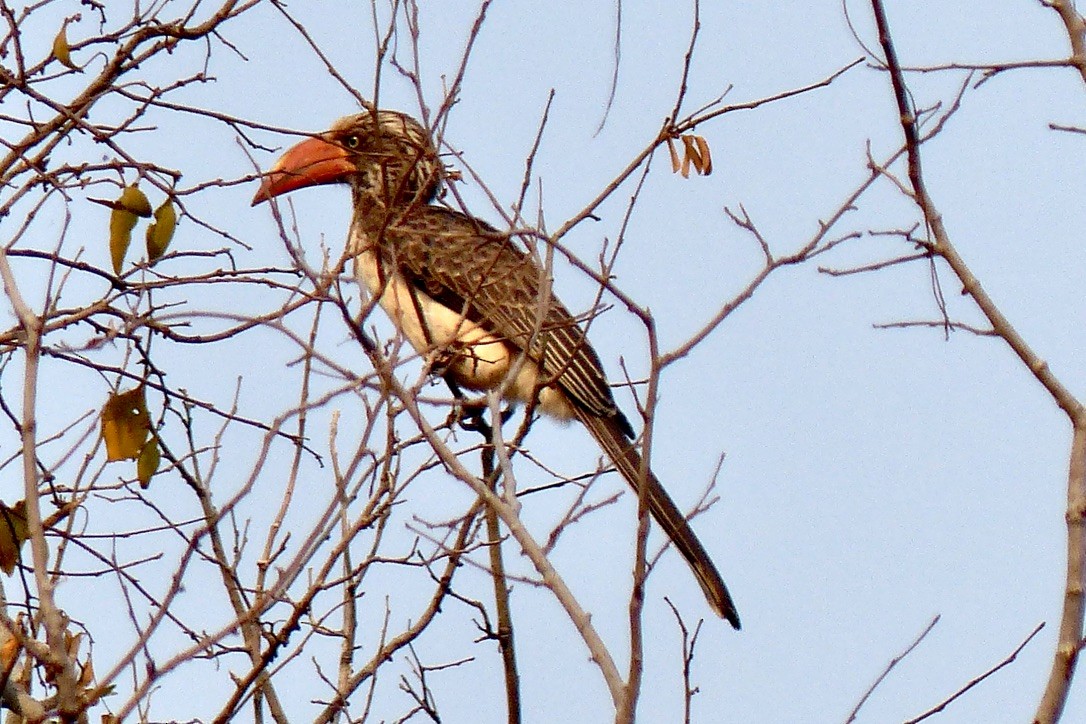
<point>313,161</point>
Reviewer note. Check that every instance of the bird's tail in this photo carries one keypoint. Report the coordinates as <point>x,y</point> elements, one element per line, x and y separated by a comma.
<point>609,435</point>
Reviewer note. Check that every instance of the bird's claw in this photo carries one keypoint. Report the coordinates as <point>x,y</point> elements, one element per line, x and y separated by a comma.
<point>470,415</point>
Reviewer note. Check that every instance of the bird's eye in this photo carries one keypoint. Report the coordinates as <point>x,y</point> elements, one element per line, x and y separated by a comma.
<point>351,141</point>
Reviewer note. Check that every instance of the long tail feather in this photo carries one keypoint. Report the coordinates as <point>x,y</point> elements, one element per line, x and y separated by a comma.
<point>609,435</point>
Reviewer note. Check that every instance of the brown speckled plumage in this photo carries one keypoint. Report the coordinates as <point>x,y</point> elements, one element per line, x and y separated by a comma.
<point>456,286</point>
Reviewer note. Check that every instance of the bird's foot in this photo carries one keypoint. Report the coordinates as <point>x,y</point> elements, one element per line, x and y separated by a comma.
<point>470,414</point>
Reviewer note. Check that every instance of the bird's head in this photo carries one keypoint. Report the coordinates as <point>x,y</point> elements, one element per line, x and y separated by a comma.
<point>387,158</point>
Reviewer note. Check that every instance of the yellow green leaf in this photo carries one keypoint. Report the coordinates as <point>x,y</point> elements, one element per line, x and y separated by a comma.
<point>160,232</point>
<point>121,223</point>
<point>131,204</point>
<point>13,531</point>
<point>61,51</point>
<point>125,424</point>
<point>147,465</point>
<point>134,200</point>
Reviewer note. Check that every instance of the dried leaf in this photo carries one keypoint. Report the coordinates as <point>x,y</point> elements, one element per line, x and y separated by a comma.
<point>125,424</point>
<point>73,641</point>
<point>161,231</point>
<point>93,696</point>
<point>61,51</point>
<point>13,531</point>
<point>693,155</point>
<point>147,465</point>
<point>86,676</point>
<point>706,157</point>
<point>674,155</point>
<point>8,653</point>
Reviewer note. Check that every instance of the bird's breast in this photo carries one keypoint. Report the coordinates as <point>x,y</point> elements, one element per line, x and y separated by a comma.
<point>477,359</point>
<point>446,338</point>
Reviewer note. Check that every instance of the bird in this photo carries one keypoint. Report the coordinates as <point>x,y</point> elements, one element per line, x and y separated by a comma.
<point>469,297</point>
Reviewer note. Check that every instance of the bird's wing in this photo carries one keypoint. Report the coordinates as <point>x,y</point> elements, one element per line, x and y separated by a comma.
<point>474,269</point>
<point>470,267</point>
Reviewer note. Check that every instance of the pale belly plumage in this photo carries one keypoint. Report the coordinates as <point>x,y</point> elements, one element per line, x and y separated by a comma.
<point>476,358</point>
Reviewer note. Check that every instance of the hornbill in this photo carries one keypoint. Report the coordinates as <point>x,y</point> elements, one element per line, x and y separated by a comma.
<point>466,295</point>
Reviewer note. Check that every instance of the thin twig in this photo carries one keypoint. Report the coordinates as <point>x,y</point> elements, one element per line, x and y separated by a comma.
<point>890,667</point>
<point>976,680</point>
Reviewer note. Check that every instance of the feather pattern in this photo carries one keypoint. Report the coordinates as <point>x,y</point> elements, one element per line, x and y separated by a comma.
<point>473,269</point>
<point>461,290</point>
